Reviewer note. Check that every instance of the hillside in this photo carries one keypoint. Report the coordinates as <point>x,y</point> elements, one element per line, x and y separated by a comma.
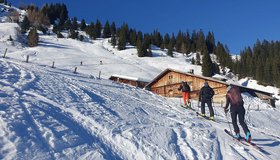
<point>53,113</point>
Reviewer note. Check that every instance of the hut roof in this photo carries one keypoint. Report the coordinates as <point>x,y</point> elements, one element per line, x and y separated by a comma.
<point>130,78</point>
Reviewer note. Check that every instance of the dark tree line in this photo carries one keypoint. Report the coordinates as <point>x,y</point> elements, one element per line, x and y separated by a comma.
<point>262,62</point>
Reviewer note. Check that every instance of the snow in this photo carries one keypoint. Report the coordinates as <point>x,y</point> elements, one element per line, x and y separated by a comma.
<point>132,78</point>
<point>53,113</point>
<point>253,84</point>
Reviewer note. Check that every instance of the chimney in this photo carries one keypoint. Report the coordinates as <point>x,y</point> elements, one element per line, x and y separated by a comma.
<point>191,71</point>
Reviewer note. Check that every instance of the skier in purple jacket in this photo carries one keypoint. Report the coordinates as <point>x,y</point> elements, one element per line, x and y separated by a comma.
<point>235,100</point>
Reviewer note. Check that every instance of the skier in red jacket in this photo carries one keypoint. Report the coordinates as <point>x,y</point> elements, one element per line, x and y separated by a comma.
<point>186,93</point>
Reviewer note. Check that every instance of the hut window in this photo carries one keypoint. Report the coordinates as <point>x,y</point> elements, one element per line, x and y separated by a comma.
<point>170,77</point>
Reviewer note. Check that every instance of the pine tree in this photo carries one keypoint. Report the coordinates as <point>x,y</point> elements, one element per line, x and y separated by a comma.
<point>83,25</point>
<point>188,43</point>
<point>207,65</point>
<point>113,40</point>
<point>267,77</point>
<point>147,41</point>
<point>73,34</point>
<point>107,30</point>
<point>91,31</point>
<point>184,48</point>
<point>74,25</point>
<point>157,38</point>
<point>122,39</point>
<point>63,15</point>
<point>170,49</point>
<point>140,50</point>
<point>194,38</point>
<point>179,42</point>
<point>133,37</point>
<point>113,28</point>
<point>33,38</point>
<point>210,42</point>
<point>200,43</point>
<point>67,24</point>
<point>198,59</point>
<point>172,41</point>
<point>98,28</point>
<point>25,24</point>
<point>166,40</point>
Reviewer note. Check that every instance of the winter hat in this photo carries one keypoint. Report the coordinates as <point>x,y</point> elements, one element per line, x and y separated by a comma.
<point>205,83</point>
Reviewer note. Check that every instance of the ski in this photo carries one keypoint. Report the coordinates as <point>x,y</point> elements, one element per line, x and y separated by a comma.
<point>198,114</point>
<point>205,117</point>
<point>187,107</point>
<point>243,141</point>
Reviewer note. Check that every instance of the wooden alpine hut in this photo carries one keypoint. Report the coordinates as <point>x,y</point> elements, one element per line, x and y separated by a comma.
<point>168,82</point>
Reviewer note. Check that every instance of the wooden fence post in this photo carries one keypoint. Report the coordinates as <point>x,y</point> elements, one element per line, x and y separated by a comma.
<point>75,70</point>
<point>53,64</point>
<point>5,53</point>
<point>99,75</point>
<point>27,58</point>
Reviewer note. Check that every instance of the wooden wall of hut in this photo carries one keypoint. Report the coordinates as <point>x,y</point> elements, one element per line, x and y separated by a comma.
<point>168,86</point>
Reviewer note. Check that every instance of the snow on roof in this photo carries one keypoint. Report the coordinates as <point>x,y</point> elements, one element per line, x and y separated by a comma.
<point>131,78</point>
<point>219,77</point>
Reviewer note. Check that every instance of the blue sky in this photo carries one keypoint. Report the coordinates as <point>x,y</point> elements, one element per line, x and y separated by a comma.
<point>237,23</point>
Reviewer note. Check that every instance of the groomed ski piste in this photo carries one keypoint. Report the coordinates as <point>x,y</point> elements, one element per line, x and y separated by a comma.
<point>53,113</point>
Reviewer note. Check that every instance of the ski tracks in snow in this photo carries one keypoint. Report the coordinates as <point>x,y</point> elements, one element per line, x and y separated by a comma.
<point>38,123</point>
<point>54,114</point>
<point>60,113</point>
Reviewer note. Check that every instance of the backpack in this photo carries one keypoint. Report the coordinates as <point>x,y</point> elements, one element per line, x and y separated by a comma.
<point>207,93</point>
<point>186,87</point>
<point>235,96</point>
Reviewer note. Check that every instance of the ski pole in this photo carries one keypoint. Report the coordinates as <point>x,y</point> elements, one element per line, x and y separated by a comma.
<point>180,101</point>
<point>213,107</point>
<point>228,124</point>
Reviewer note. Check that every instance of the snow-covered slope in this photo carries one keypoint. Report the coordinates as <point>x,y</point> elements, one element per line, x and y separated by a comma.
<point>50,113</point>
<point>68,54</point>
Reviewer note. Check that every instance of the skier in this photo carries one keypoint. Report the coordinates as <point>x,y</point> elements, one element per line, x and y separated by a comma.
<point>186,93</point>
<point>205,96</point>
<point>235,100</point>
